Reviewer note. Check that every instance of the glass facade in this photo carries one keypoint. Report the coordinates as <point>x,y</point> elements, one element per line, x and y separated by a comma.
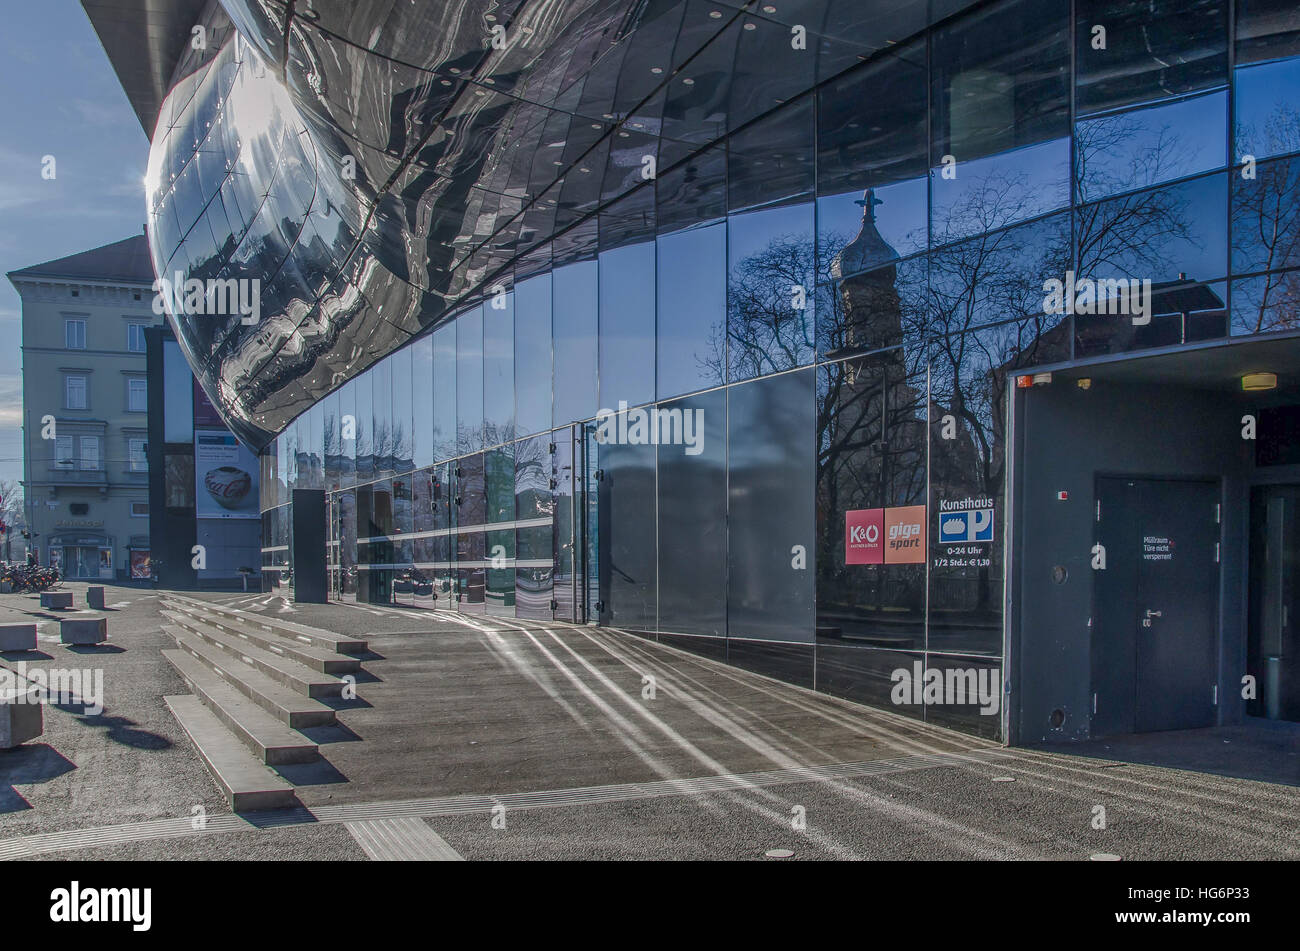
<point>762,313</point>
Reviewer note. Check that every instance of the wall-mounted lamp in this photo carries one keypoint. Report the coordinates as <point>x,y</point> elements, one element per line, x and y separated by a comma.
<point>1254,382</point>
<point>1084,382</point>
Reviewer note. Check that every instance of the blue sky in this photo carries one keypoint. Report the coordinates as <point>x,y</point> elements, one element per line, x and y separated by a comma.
<point>61,98</point>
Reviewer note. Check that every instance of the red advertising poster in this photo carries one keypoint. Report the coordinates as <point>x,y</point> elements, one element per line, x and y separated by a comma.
<point>205,414</point>
<point>863,544</point>
<point>905,535</point>
<point>140,567</point>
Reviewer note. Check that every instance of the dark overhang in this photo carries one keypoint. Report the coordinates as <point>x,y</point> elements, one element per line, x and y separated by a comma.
<point>144,40</point>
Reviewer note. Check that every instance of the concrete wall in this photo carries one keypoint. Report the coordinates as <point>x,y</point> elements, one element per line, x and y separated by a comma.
<point>1070,436</point>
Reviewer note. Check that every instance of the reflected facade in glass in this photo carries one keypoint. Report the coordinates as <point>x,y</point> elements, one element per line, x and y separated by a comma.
<point>645,350</point>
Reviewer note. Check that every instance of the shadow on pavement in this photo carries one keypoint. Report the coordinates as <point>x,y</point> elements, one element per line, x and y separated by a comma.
<point>1262,750</point>
<point>27,765</point>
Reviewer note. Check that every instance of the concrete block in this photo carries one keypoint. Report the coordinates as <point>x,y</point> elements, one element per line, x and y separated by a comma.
<point>95,597</point>
<point>84,630</point>
<point>17,637</point>
<point>57,600</point>
<point>21,717</point>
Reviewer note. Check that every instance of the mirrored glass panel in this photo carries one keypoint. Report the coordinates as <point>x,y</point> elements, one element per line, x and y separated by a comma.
<point>627,325</point>
<point>575,299</point>
<point>692,505</point>
<point>444,392</point>
<point>1145,147</point>
<point>691,299</point>
<point>469,380</point>
<point>533,354</point>
<point>499,368</point>
<point>771,487</point>
<point>770,302</point>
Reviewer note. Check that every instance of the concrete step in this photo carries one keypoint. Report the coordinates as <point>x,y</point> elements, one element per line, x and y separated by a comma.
<point>283,670</point>
<point>326,661</point>
<point>247,784</point>
<point>269,740</point>
<point>290,708</point>
<point>326,640</point>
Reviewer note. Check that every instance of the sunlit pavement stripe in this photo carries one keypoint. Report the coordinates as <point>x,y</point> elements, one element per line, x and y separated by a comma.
<point>115,835</point>
<point>468,805</point>
<point>402,840</point>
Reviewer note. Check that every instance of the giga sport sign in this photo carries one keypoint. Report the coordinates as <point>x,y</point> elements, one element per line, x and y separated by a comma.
<point>888,536</point>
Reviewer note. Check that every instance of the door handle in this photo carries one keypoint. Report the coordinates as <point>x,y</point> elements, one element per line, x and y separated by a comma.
<point>1151,613</point>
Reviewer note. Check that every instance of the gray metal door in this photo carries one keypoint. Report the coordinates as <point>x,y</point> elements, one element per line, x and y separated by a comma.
<point>1155,605</point>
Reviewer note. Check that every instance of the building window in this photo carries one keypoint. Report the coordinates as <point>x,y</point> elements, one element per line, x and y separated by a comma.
<point>90,452</point>
<point>136,449</point>
<point>63,457</point>
<point>137,395</point>
<point>74,392</point>
<point>135,338</point>
<point>139,509</point>
<point>74,333</point>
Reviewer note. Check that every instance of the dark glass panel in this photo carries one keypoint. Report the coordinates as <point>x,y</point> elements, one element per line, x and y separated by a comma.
<point>771,486</point>
<point>691,300</point>
<point>469,381</point>
<point>977,682</point>
<point>871,124</point>
<point>533,501</point>
<point>862,674</point>
<point>627,325</point>
<point>770,298</point>
<point>576,300</point>
<point>792,663</point>
<point>1000,80</point>
<point>871,430</point>
<point>1267,29</point>
<point>1151,50</point>
<point>533,354</point>
<point>772,159</point>
<point>627,534</point>
<point>1180,312</point>
<point>692,494</point>
<point>769,68</point>
<point>693,192</point>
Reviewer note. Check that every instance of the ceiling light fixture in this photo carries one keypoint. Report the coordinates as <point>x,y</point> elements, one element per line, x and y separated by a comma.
<point>1262,380</point>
